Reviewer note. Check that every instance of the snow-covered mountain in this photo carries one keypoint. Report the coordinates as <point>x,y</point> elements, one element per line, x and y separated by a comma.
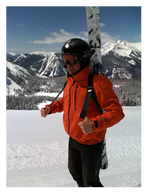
<point>11,56</point>
<point>42,63</point>
<point>15,76</point>
<point>121,48</point>
<point>16,70</point>
<point>122,59</point>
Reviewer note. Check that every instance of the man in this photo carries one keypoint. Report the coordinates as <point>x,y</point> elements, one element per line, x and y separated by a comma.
<point>86,135</point>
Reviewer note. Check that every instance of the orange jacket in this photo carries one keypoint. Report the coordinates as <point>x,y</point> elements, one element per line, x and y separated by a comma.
<point>72,102</point>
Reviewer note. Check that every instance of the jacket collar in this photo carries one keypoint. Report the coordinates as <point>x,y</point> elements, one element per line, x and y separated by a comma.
<point>81,77</point>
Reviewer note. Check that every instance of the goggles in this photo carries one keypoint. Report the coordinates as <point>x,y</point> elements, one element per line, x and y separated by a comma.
<point>71,59</point>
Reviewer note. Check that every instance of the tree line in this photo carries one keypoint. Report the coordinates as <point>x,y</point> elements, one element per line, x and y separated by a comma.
<point>128,92</point>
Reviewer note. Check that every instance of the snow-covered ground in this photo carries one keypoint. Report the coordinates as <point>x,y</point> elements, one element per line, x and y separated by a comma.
<point>37,151</point>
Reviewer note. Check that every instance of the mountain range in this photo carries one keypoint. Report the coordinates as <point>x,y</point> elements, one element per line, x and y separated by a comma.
<point>47,64</point>
<point>120,59</point>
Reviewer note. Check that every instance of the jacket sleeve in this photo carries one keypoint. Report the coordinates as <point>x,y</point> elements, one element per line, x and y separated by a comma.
<point>113,112</point>
<point>57,106</point>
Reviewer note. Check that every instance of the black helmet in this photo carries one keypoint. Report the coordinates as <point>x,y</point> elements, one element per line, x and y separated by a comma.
<point>80,48</point>
<point>76,46</point>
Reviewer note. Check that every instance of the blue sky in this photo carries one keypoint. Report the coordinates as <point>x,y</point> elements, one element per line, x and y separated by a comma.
<point>31,29</point>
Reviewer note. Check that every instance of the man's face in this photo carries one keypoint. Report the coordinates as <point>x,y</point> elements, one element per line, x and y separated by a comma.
<point>72,64</point>
<point>73,69</point>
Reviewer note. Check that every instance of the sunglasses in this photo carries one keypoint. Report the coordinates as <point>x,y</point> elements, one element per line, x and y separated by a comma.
<point>71,59</point>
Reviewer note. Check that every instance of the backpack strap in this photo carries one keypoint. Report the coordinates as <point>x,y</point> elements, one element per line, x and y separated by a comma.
<point>90,93</point>
<point>94,97</point>
<point>59,93</point>
<point>88,96</point>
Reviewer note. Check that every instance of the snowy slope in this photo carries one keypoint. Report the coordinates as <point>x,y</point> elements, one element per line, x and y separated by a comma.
<point>37,151</point>
<point>51,64</point>
<point>122,60</point>
<point>136,46</point>
<point>42,63</point>
<point>11,87</point>
<point>122,48</point>
<point>14,72</point>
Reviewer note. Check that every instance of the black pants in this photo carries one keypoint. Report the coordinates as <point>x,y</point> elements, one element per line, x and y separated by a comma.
<point>84,163</point>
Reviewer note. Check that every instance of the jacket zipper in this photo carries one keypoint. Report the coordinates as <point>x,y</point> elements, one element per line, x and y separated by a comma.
<point>70,105</point>
<point>75,96</point>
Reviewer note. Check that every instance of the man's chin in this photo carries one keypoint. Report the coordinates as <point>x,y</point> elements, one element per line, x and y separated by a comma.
<point>71,72</point>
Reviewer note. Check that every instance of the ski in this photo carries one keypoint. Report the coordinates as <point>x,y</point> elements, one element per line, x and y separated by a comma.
<point>94,39</point>
<point>104,163</point>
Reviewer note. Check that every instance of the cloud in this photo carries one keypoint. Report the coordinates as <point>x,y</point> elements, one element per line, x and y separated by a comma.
<point>105,37</point>
<point>60,37</point>
<point>102,25</point>
<point>63,36</point>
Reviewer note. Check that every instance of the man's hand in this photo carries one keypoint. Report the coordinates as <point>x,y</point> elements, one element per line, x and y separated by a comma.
<point>86,125</point>
<point>45,111</point>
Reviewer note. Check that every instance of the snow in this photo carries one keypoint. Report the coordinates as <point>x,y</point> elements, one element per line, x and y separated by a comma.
<point>37,151</point>
<point>136,45</point>
<point>42,53</point>
<point>13,54</point>
<point>16,70</point>
<point>122,73</point>
<point>20,57</point>
<point>50,65</point>
<point>11,87</point>
<point>51,94</point>
<point>48,60</point>
<point>132,62</point>
<point>116,86</point>
<point>122,48</point>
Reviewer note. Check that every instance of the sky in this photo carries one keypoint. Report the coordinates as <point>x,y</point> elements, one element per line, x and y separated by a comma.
<point>47,28</point>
